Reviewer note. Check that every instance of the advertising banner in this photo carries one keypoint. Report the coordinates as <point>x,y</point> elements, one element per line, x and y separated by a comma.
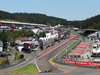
<point>82,63</point>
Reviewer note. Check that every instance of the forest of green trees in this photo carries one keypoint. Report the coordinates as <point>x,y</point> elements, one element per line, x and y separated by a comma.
<point>90,23</point>
<point>32,18</point>
<point>93,22</point>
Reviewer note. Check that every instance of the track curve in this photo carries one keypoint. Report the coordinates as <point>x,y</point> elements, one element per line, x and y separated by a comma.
<point>43,62</point>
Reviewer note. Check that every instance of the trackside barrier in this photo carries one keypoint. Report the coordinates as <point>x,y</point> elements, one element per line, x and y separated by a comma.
<point>58,57</point>
<point>83,63</point>
<point>45,52</point>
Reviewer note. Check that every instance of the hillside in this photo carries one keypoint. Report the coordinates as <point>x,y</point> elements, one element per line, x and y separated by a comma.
<point>91,23</point>
<point>32,18</point>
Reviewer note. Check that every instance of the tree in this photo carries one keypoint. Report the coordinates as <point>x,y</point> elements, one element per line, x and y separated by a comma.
<point>32,18</point>
<point>4,39</point>
<point>4,62</point>
<point>16,54</point>
<point>21,56</point>
<point>18,57</point>
<point>42,34</point>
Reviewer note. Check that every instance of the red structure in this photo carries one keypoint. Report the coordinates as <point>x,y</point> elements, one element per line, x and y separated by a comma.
<point>85,43</point>
<point>12,27</point>
<point>76,51</point>
<point>73,35</point>
<point>82,63</point>
<point>0,23</point>
<point>81,46</point>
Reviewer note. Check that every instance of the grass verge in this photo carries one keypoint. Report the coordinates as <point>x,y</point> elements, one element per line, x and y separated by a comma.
<point>83,37</point>
<point>30,68</point>
<point>63,52</point>
<point>68,47</point>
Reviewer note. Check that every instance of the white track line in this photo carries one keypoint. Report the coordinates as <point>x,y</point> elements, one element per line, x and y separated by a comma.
<point>37,65</point>
<point>55,56</point>
<point>48,60</point>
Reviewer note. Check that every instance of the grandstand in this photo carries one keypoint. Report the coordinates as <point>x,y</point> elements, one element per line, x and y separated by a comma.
<point>6,24</point>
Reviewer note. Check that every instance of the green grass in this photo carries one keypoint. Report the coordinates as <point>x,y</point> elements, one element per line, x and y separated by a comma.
<point>64,51</point>
<point>30,68</point>
<point>83,37</point>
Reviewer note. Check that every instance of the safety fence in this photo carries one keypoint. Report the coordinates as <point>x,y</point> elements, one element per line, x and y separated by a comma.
<point>66,52</point>
<point>82,63</point>
<point>78,63</point>
<point>60,60</point>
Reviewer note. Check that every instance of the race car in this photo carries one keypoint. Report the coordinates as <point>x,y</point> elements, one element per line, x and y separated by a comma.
<point>48,70</point>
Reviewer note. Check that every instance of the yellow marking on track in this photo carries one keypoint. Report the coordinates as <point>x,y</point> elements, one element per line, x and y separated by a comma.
<point>38,69</point>
<point>52,62</point>
<point>55,64</point>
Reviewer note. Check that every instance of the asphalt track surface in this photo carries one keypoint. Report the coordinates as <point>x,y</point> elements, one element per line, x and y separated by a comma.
<point>43,62</point>
<point>40,61</point>
<point>30,59</point>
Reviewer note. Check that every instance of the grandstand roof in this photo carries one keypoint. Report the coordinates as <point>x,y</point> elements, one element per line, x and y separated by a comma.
<point>23,23</point>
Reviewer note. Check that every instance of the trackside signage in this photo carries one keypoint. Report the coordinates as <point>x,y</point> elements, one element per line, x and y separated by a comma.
<point>82,63</point>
